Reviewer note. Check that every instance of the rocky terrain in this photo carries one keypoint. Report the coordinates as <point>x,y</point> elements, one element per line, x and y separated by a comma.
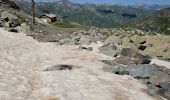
<point>93,64</point>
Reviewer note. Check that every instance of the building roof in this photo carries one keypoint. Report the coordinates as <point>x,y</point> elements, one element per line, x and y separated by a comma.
<point>50,15</point>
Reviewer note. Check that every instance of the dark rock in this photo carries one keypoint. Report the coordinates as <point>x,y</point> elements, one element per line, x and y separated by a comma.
<point>145,60</point>
<point>13,30</point>
<point>86,48</point>
<point>142,47</point>
<point>61,67</point>
<point>14,23</point>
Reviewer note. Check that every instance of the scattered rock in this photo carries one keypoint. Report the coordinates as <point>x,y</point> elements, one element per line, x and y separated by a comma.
<point>109,62</point>
<point>132,53</point>
<point>138,71</point>
<point>109,49</point>
<point>161,80</point>
<point>61,67</point>
<point>138,39</point>
<point>112,39</point>
<point>124,60</point>
<point>125,41</point>
<point>14,23</point>
<point>66,41</point>
<point>86,47</point>
<point>142,47</point>
<point>13,30</point>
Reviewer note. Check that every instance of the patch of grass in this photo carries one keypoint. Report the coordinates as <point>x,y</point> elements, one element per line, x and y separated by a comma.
<point>164,24</point>
<point>66,24</point>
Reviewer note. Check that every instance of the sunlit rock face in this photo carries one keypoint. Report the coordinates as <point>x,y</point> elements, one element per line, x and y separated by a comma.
<point>30,70</point>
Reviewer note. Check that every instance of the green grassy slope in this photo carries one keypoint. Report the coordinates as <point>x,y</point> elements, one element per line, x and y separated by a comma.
<point>158,22</point>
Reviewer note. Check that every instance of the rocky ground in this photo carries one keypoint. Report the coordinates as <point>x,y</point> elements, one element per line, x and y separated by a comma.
<point>31,70</point>
<point>94,64</point>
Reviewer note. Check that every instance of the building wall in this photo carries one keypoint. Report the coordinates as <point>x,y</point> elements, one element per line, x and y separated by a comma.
<point>48,19</point>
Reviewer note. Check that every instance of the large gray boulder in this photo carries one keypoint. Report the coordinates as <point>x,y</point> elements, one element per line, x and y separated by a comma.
<point>141,71</point>
<point>160,78</point>
<point>161,81</point>
<point>109,49</point>
<point>137,56</point>
<point>124,60</point>
<point>112,39</point>
<point>138,71</point>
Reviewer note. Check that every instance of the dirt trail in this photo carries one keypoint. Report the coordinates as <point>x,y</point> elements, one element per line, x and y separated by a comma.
<point>23,75</point>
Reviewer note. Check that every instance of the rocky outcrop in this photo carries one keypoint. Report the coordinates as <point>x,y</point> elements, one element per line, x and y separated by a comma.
<point>83,37</point>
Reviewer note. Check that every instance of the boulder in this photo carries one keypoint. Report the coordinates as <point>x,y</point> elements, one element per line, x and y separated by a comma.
<point>14,23</point>
<point>85,40</point>
<point>109,49</point>
<point>24,29</point>
<point>9,15</point>
<point>141,71</point>
<point>110,69</point>
<point>120,70</point>
<point>6,24</point>
<point>138,39</point>
<point>132,53</point>
<point>66,41</point>
<point>109,62</point>
<point>158,49</point>
<point>125,41</point>
<point>112,39</point>
<point>124,60</point>
<point>160,78</point>
<point>138,71</point>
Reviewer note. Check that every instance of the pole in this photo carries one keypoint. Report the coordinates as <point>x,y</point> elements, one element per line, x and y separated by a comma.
<point>33,12</point>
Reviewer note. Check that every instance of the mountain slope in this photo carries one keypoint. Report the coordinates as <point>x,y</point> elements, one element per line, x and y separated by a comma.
<point>157,22</point>
<point>95,15</point>
<point>9,3</point>
<point>103,15</point>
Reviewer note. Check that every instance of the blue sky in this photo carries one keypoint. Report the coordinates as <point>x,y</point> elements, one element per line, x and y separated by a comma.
<point>125,2</point>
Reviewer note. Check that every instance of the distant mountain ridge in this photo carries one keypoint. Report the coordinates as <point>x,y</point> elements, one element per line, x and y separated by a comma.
<point>99,15</point>
<point>157,22</point>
